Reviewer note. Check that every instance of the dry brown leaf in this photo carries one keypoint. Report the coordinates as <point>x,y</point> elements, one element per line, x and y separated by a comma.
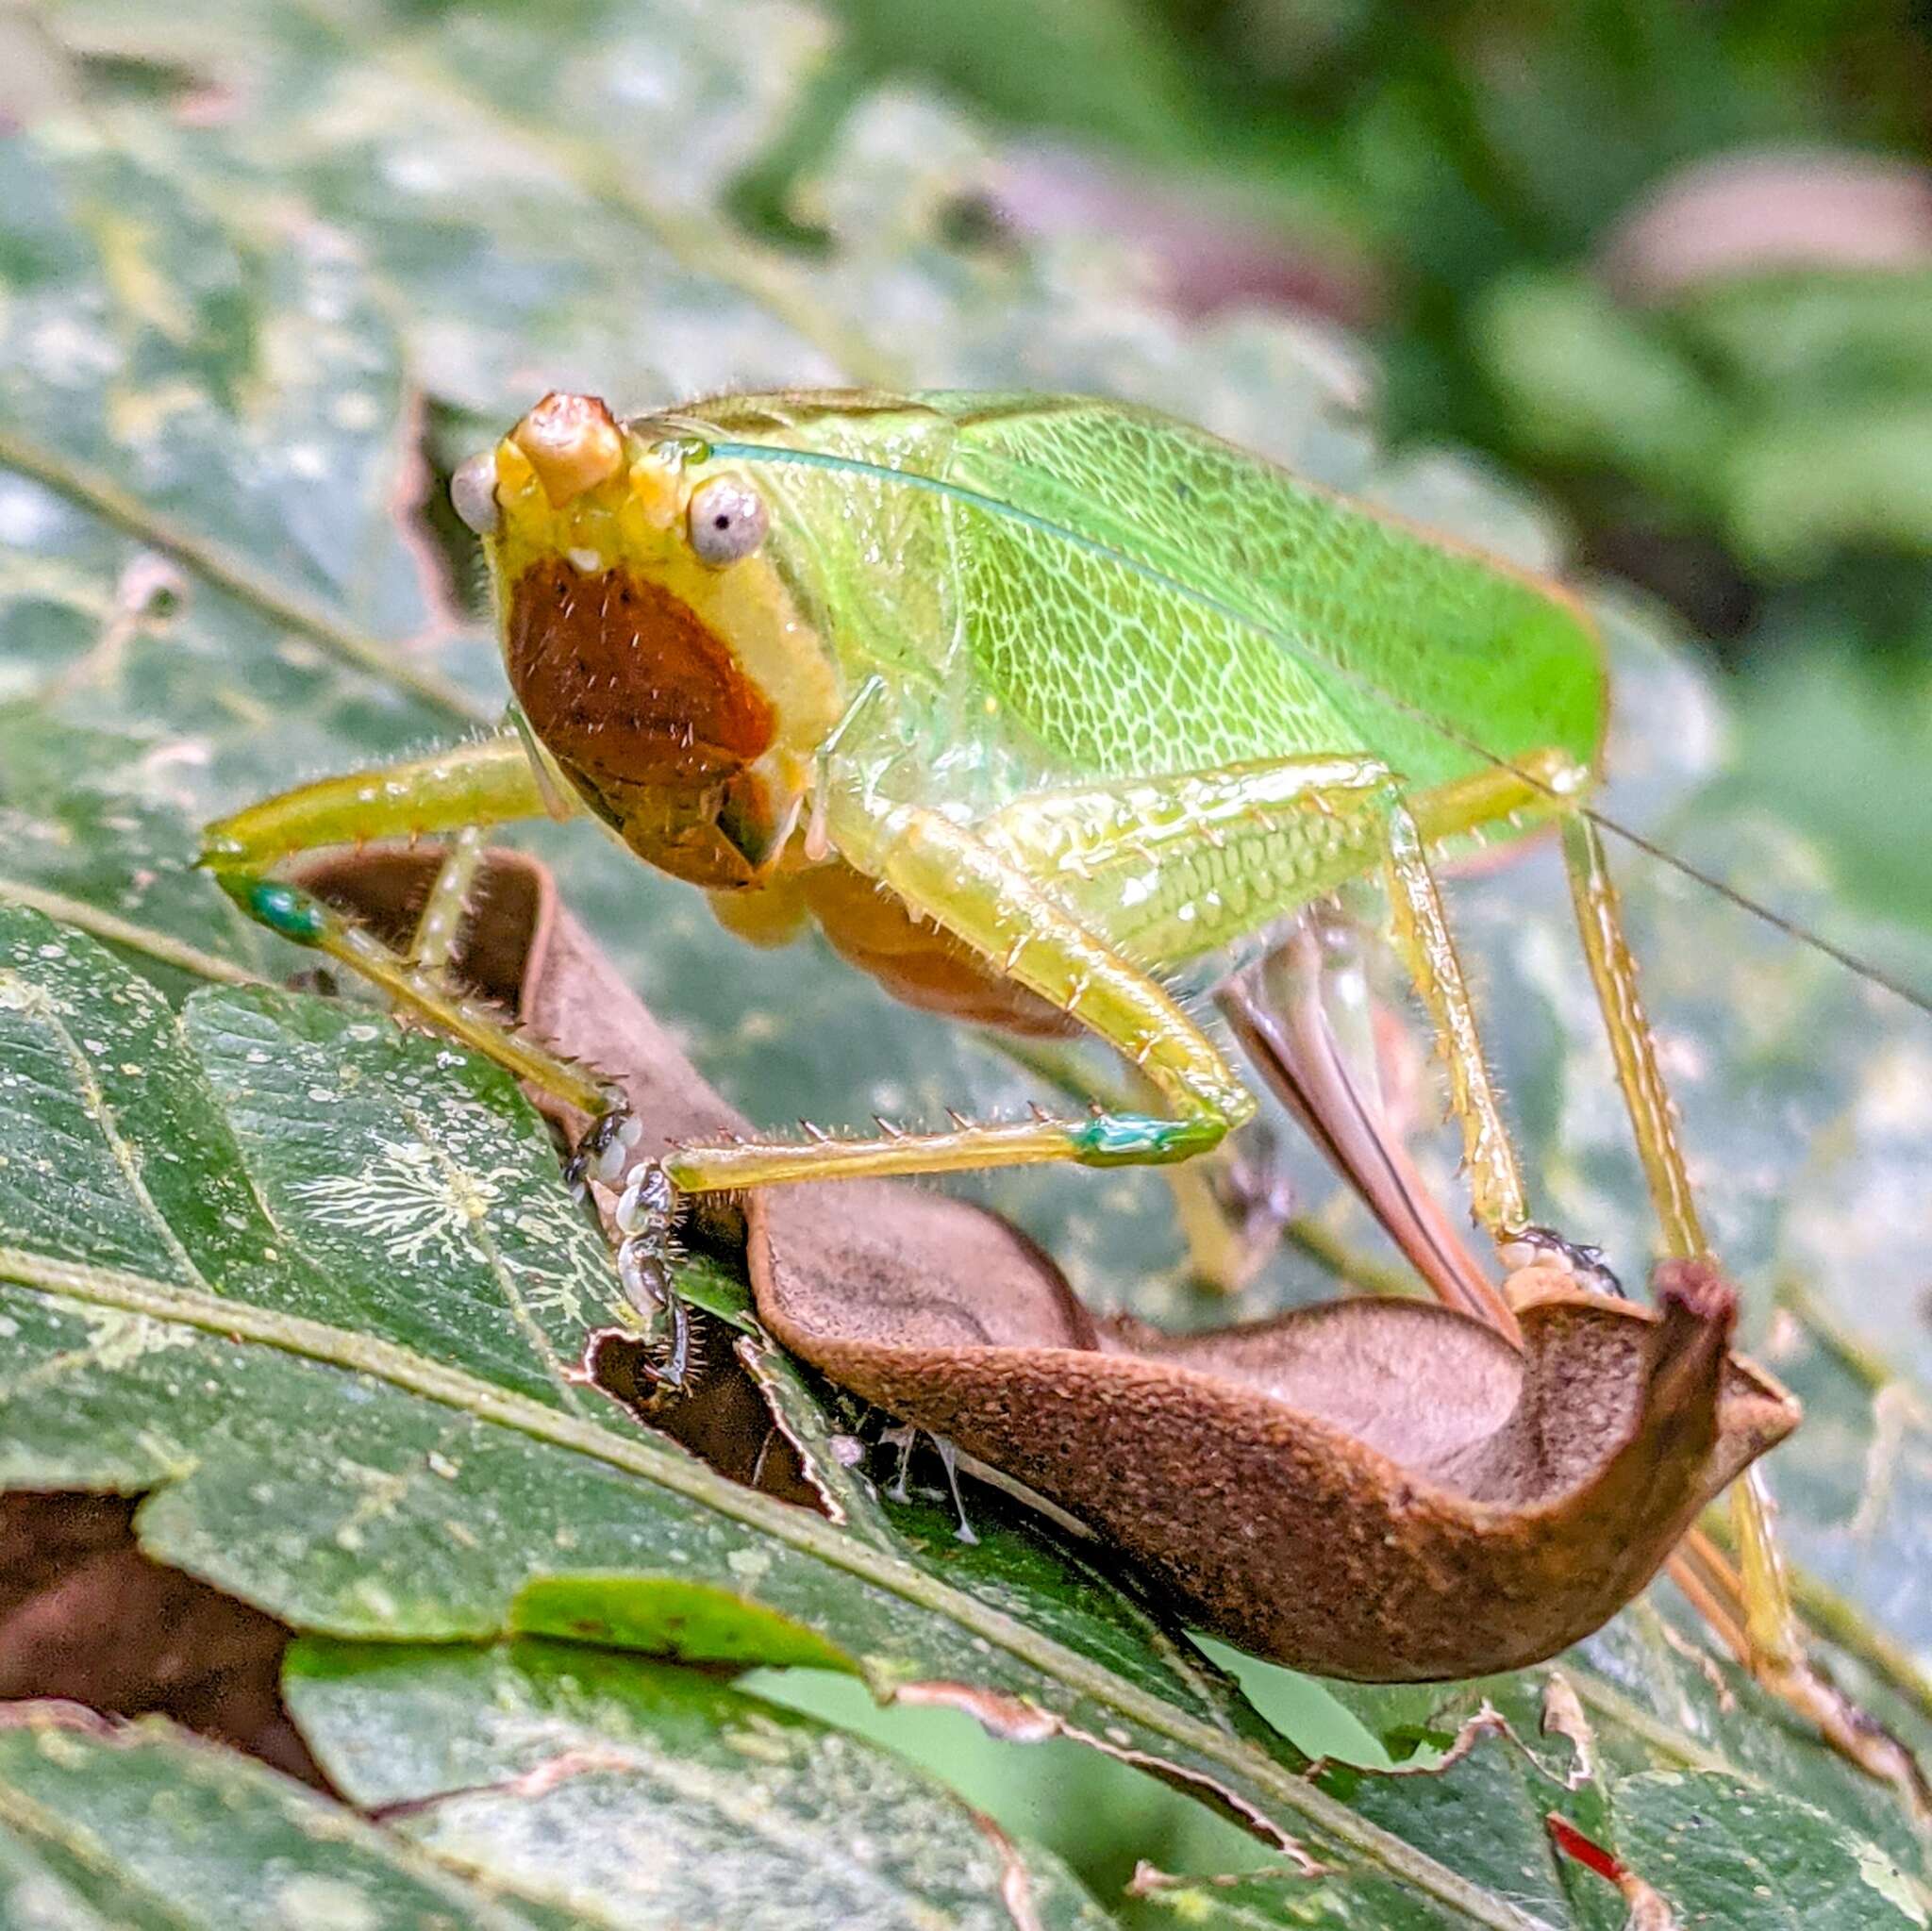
<point>86,1617</point>
<point>1374,1488</point>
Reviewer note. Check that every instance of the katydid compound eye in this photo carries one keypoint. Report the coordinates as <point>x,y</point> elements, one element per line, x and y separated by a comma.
<point>726,519</point>
<point>472,493</point>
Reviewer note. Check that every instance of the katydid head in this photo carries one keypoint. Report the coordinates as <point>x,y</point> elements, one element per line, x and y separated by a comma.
<point>654,647</point>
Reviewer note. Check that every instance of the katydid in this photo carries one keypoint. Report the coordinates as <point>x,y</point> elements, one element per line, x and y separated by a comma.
<point>1026,702</point>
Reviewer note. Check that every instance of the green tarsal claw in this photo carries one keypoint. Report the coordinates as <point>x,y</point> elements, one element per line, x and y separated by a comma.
<point>1123,1140</point>
<point>285,908</point>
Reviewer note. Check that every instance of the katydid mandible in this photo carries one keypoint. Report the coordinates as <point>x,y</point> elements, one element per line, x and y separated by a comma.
<point>1026,702</point>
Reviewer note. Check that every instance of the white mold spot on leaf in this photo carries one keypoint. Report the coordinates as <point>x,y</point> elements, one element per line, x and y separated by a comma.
<point>406,1200</point>
<point>118,1339</point>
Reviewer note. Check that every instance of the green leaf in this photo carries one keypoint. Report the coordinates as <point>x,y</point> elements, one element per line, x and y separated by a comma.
<point>191,389</point>
<point>146,1829</point>
<point>1266,1902</point>
<point>633,1793</point>
<point>375,1435</point>
<point>1625,1716</point>
<point>315,1289</point>
<point>84,833</point>
<point>1731,1853</point>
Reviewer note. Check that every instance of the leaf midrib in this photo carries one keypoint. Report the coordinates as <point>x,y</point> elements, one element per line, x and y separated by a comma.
<point>683,1475</point>
<point>94,1103</point>
<point>37,1823</point>
<point>229,571</point>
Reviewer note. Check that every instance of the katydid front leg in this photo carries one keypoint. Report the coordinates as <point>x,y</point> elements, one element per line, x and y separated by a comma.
<point>459,790</point>
<point>952,875</point>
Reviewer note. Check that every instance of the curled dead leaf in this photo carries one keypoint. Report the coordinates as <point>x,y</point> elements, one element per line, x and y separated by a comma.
<point>1383,1490</point>
<point>1373,1488</point>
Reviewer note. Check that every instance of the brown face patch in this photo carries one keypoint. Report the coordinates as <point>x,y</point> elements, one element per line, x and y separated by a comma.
<point>627,685</point>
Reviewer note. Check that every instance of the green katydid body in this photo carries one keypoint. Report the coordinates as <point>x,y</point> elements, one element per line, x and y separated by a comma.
<point>1048,592</point>
<point>1024,700</point>
<point>1136,596</point>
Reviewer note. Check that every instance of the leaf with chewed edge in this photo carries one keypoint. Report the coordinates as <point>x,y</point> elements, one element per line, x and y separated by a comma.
<point>148,1829</point>
<point>640,1794</point>
<point>345,1379</point>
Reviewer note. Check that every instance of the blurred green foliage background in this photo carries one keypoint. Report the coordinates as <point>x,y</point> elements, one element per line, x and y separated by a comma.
<point>1672,260</point>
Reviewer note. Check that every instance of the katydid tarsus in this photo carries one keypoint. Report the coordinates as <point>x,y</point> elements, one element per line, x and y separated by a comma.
<point>1026,702</point>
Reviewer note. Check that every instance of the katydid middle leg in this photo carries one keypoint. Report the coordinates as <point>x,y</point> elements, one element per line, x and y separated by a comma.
<point>1186,863</point>
<point>1037,892</point>
<point>1281,1008</point>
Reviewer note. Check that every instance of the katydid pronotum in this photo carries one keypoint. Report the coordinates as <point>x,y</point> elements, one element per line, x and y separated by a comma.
<point>1026,702</point>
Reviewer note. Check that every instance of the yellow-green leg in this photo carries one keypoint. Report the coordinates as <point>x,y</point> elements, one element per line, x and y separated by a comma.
<point>1039,892</point>
<point>440,925</point>
<point>1613,971</point>
<point>1226,1250</point>
<point>948,873</point>
<point>1174,866</point>
<point>459,792</point>
<point>1422,936</point>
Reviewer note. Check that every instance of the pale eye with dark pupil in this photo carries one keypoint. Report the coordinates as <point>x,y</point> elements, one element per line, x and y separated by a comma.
<point>726,520</point>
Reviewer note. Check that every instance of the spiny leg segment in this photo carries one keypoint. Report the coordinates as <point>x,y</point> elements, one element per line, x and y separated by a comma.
<point>440,925</point>
<point>1225,852</point>
<point>1037,891</point>
<point>461,791</point>
<point>948,873</point>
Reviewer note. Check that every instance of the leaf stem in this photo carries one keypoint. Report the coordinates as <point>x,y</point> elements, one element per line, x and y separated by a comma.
<point>119,932</point>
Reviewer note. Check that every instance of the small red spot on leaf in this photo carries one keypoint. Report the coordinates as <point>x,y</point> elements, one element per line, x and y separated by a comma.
<point>1585,1851</point>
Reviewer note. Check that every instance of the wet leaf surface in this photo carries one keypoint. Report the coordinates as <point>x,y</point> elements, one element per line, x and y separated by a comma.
<point>633,1793</point>
<point>232,291</point>
<point>338,1437</point>
<point>148,1829</point>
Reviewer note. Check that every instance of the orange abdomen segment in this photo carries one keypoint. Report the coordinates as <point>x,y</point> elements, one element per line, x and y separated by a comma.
<point>918,962</point>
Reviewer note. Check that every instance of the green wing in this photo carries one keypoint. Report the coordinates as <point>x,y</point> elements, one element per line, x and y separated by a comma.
<point>1160,601</point>
<point>1132,596</point>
